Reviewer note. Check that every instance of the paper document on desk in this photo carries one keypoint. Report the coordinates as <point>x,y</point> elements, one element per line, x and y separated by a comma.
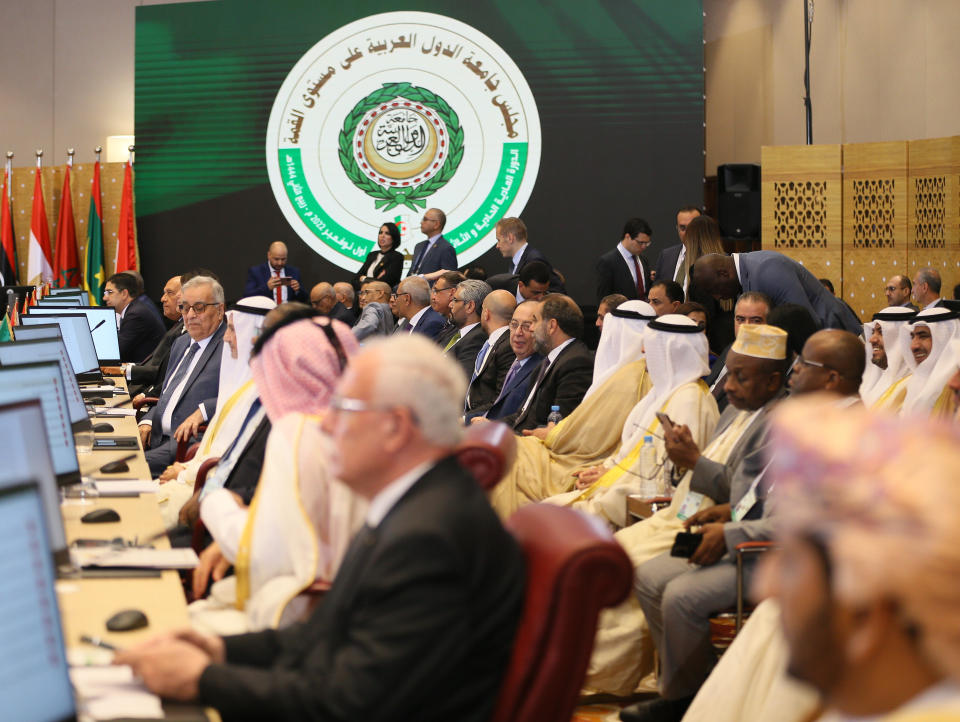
<point>116,412</point>
<point>112,692</point>
<point>127,486</point>
<point>138,558</point>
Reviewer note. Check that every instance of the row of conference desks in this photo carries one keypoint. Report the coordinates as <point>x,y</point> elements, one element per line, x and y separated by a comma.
<point>86,604</point>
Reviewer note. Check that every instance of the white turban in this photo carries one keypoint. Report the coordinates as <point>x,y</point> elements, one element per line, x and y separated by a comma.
<point>930,377</point>
<point>247,318</point>
<point>621,340</point>
<point>893,320</point>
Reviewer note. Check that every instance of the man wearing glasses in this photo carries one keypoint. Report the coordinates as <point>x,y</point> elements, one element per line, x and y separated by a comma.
<point>411,304</point>
<point>435,254</point>
<point>193,372</point>
<point>832,361</point>
<point>139,327</point>
<point>625,270</point>
<point>376,318</point>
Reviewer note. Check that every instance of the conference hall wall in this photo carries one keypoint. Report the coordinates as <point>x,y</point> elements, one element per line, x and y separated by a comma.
<point>313,123</point>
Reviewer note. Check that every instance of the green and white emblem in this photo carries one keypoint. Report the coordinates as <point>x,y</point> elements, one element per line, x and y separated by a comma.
<point>393,114</point>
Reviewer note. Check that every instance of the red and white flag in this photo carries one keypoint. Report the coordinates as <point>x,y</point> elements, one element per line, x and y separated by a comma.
<point>39,255</point>
<point>127,230</point>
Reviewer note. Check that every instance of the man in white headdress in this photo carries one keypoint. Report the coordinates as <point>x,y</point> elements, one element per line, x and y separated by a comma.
<point>548,457</point>
<point>925,350</point>
<point>757,359</point>
<point>884,384</point>
<point>236,395</point>
<point>676,356</point>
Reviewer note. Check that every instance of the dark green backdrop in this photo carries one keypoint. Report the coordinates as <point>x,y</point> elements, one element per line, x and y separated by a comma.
<point>618,84</point>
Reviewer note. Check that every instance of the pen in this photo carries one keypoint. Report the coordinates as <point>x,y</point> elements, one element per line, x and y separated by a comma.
<point>97,642</point>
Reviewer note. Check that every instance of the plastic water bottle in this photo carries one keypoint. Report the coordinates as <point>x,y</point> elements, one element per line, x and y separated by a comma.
<point>648,465</point>
<point>555,415</point>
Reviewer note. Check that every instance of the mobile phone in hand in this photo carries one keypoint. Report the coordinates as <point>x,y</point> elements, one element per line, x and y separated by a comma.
<point>665,421</point>
<point>686,544</point>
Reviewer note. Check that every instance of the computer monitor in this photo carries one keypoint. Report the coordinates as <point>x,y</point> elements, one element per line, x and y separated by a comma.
<point>75,331</point>
<point>60,301</point>
<point>41,380</point>
<point>83,295</point>
<point>103,326</point>
<point>34,675</point>
<point>50,349</point>
<point>29,458</point>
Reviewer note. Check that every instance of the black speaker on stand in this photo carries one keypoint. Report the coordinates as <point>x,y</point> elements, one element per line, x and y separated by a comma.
<point>738,208</point>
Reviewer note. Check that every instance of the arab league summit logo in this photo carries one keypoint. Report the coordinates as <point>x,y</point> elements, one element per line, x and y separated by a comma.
<point>393,114</point>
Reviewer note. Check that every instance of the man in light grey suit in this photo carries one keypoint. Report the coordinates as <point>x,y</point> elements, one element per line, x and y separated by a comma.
<point>193,372</point>
<point>376,318</point>
<point>678,599</point>
<point>781,278</point>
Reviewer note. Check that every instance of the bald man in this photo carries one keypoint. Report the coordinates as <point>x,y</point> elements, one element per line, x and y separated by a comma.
<point>323,298</point>
<point>781,278</point>
<point>376,318</point>
<point>275,279</point>
<point>495,356</point>
<point>832,361</point>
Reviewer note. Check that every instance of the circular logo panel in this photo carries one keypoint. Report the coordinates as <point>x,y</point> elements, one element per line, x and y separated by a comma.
<point>394,114</point>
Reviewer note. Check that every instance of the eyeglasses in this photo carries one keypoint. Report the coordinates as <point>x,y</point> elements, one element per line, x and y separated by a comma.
<point>344,404</point>
<point>457,300</point>
<point>527,326</point>
<point>316,304</point>
<point>428,219</point>
<point>108,291</point>
<point>395,296</point>
<point>814,364</point>
<point>198,307</point>
<point>368,292</point>
<point>443,290</point>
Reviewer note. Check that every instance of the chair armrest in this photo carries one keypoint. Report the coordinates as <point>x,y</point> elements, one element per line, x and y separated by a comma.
<point>186,450</point>
<point>203,471</point>
<point>754,546</point>
<point>145,401</point>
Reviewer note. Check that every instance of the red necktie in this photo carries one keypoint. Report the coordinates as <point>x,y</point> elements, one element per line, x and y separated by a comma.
<point>641,293</point>
<point>279,289</point>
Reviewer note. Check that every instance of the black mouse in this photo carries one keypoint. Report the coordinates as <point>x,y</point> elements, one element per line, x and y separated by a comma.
<point>99,516</point>
<point>114,467</point>
<point>102,428</point>
<point>127,620</point>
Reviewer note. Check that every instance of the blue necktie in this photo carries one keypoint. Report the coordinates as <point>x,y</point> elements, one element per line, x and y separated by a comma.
<point>481,357</point>
<point>182,367</point>
<point>226,463</point>
<point>514,368</point>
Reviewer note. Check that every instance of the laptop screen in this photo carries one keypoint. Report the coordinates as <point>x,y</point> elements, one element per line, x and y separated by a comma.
<point>50,349</point>
<point>60,301</point>
<point>42,381</point>
<point>29,458</point>
<point>103,326</point>
<point>79,292</point>
<point>34,676</point>
<point>76,335</point>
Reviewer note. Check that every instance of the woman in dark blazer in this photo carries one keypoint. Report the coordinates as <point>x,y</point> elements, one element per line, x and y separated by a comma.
<point>384,264</point>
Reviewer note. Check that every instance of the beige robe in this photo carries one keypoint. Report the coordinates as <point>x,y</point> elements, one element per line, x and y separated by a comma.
<point>892,399</point>
<point>544,468</point>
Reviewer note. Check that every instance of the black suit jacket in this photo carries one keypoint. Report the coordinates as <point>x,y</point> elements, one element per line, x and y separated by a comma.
<point>154,368</point>
<point>418,625</point>
<point>465,351</point>
<point>391,265</point>
<point>529,254</point>
<point>257,277</point>
<point>614,276</point>
<point>440,255</point>
<point>666,265</point>
<point>567,380</point>
<point>515,394</point>
<point>342,313</point>
<point>245,474</point>
<point>140,331</point>
<point>484,389</point>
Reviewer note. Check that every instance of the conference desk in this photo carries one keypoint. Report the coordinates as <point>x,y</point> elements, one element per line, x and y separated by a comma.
<point>86,604</point>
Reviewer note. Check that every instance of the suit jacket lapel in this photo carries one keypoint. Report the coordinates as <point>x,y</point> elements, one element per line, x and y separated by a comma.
<point>204,357</point>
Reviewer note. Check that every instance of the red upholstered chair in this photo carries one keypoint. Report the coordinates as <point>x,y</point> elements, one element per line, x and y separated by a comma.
<point>487,451</point>
<point>574,569</point>
<point>198,527</point>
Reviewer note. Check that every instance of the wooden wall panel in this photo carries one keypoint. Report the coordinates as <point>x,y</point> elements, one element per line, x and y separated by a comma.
<point>875,191</point>
<point>802,214</point>
<point>933,233</point>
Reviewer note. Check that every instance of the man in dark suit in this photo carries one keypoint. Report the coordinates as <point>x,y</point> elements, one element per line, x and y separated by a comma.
<point>531,284</point>
<point>625,270</point>
<point>140,328</point>
<point>324,299</point>
<point>516,384</point>
<point>470,336</point>
<point>781,278</point>
<point>193,374</point>
<point>420,620</point>
<point>668,263</point>
<point>512,244</point>
<point>347,297</point>
<point>926,288</point>
<point>898,290</point>
<point>434,255</point>
<point>752,308</point>
<point>411,304</point>
<point>495,356</point>
<point>275,279</point>
<point>565,374</point>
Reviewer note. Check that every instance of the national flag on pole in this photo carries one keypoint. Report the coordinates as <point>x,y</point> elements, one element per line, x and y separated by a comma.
<point>6,330</point>
<point>12,311</point>
<point>66,262</point>
<point>8,246</point>
<point>39,257</point>
<point>127,231</point>
<point>94,275</point>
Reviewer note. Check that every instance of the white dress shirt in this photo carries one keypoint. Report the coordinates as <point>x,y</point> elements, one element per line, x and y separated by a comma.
<point>176,393</point>
<point>389,495</point>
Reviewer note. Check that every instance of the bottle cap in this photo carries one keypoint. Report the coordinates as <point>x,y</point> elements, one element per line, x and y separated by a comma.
<point>554,408</point>
<point>647,439</point>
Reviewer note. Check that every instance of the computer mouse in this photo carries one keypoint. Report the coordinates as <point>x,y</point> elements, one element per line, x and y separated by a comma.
<point>100,516</point>
<point>127,620</point>
<point>114,467</point>
<point>102,428</point>
<point>95,401</point>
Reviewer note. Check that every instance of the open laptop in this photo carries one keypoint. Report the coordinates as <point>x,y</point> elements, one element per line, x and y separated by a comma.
<point>82,294</point>
<point>103,326</point>
<point>34,674</point>
<point>60,301</point>
<point>76,335</point>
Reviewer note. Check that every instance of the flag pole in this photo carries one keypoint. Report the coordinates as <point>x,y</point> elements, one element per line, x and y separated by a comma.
<point>98,150</point>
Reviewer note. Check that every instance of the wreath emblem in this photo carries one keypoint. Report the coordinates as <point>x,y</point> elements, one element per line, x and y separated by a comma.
<point>390,191</point>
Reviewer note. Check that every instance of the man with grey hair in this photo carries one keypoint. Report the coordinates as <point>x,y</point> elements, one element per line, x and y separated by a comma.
<point>423,611</point>
<point>324,299</point>
<point>376,318</point>
<point>347,296</point>
<point>193,372</point>
<point>411,304</point>
<point>465,306</point>
<point>926,288</point>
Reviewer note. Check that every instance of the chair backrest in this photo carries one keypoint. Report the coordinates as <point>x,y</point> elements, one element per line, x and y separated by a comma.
<point>199,530</point>
<point>487,451</point>
<point>575,568</point>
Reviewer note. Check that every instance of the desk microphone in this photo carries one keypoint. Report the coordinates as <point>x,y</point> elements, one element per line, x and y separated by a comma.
<point>102,321</point>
